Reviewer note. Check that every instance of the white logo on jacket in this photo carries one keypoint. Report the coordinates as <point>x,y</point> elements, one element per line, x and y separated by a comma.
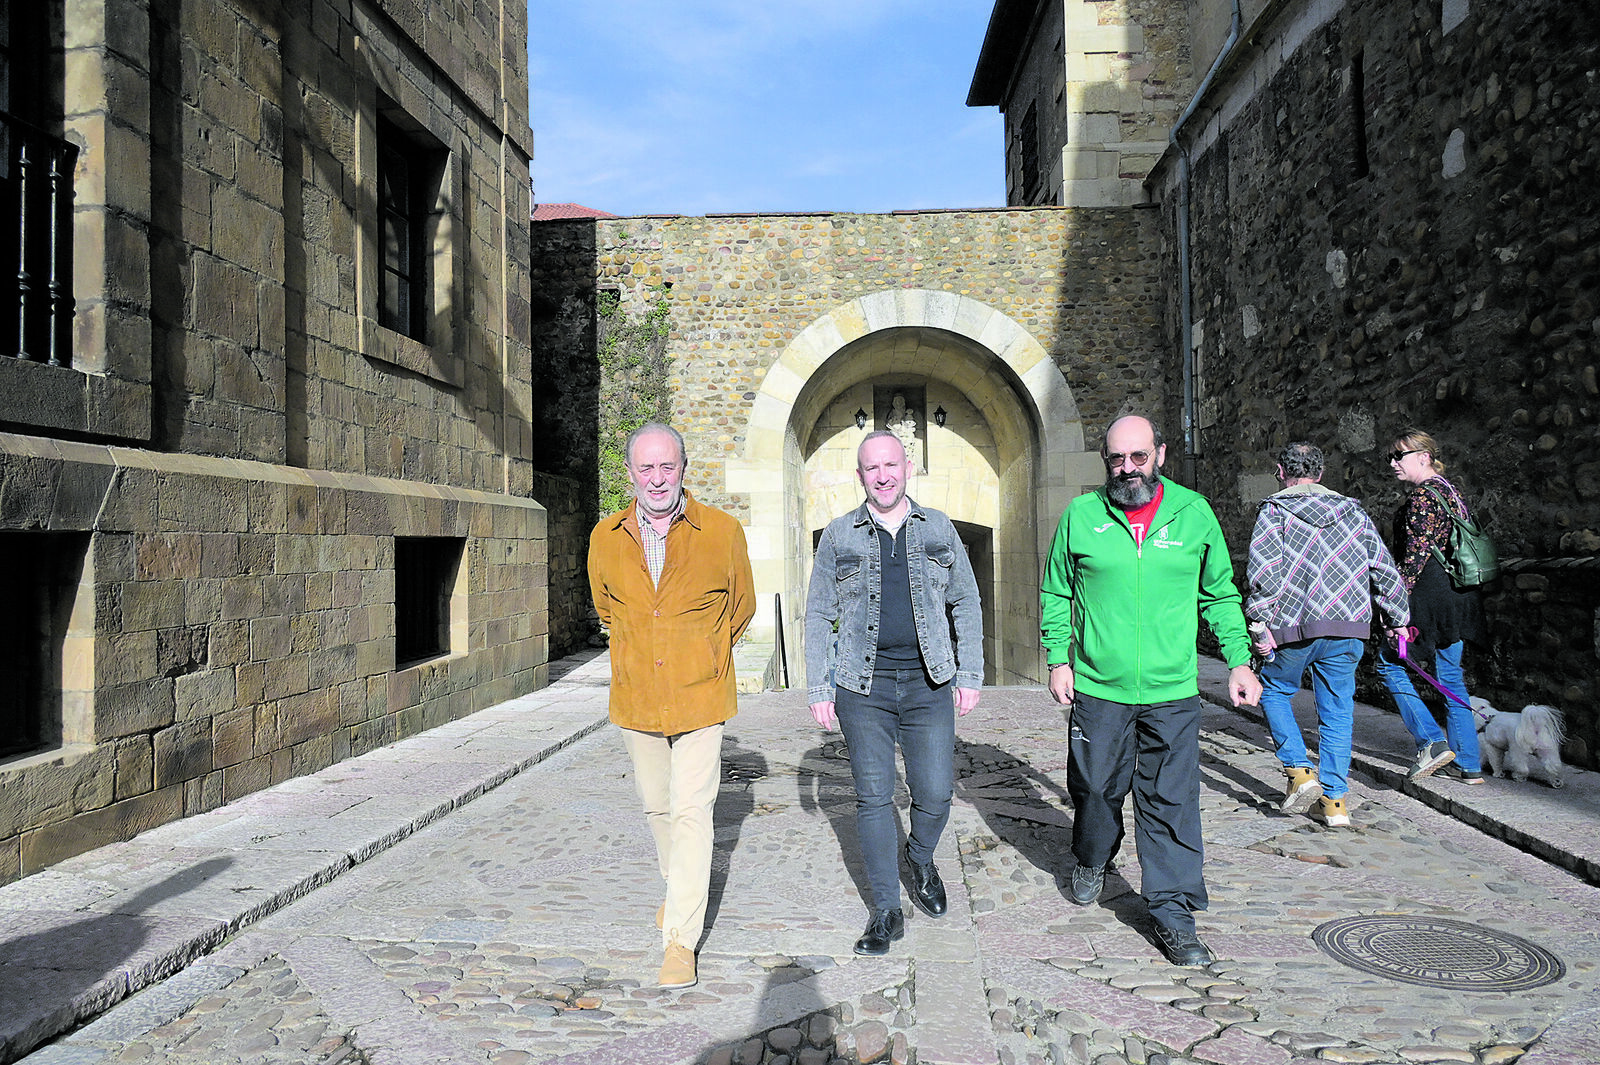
<point>1162,540</point>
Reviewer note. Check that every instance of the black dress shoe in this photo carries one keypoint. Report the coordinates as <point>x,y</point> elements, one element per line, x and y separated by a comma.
<point>927,888</point>
<point>884,928</point>
<point>1182,947</point>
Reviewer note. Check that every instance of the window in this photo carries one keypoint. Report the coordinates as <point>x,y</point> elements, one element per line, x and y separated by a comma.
<point>1028,134</point>
<point>36,173</point>
<point>46,640</point>
<point>409,172</point>
<point>1360,166</point>
<point>429,598</point>
<point>413,242</point>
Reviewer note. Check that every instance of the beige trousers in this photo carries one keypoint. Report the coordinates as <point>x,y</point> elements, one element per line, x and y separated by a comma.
<point>677,779</point>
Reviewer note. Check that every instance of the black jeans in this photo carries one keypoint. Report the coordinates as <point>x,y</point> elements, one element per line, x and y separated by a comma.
<point>903,707</point>
<point>1154,751</point>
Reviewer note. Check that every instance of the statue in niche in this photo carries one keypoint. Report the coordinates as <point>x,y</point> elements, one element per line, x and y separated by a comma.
<point>903,423</point>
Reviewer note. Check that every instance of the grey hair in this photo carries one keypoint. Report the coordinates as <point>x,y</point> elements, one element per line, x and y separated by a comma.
<point>1301,459</point>
<point>657,427</point>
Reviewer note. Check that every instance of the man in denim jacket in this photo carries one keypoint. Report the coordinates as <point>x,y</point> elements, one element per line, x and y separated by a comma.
<point>880,666</point>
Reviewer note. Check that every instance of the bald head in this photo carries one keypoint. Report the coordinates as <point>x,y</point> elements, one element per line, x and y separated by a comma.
<point>881,467</point>
<point>1133,454</point>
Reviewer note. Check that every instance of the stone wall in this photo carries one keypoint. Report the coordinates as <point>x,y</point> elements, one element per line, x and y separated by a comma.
<point>217,599</point>
<point>1392,226</point>
<point>742,288</point>
<point>566,367</point>
<point>1104,82</point>
<point>572,619</point>
<point>233,625</point>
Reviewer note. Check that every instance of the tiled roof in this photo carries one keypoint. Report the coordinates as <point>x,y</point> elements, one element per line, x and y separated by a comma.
<point>550,212</point>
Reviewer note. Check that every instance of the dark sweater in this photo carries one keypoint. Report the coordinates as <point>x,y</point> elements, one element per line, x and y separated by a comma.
<point>897,629</point>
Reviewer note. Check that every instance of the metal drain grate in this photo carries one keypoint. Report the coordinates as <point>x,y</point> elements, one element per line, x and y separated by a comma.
<point>1436,952</point>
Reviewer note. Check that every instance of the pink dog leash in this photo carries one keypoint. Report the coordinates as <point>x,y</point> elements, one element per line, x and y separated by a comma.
<point>1400,647</point>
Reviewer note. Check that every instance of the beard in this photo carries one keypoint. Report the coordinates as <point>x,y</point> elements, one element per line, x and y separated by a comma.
<point>1134,489</point>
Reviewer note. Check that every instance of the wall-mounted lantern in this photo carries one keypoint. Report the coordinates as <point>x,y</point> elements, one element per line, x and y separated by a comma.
<point>861,418</point>
<point>939,416</point>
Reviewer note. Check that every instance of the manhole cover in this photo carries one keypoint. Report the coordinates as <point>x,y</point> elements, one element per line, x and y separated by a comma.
<point>1437,952</point>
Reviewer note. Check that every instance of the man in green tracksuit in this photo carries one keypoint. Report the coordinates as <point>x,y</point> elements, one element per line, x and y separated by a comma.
<point>1130,565</point>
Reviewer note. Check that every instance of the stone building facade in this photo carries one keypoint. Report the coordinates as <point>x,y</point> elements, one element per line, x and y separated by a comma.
<point>1391,226</point>
<point>1090,90</point>
<point>268,490</point>
<point>1010,336</point>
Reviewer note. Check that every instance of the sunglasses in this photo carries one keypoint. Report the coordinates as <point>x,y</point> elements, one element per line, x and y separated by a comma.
<point>1396,456</point>
<point>1138,458</point>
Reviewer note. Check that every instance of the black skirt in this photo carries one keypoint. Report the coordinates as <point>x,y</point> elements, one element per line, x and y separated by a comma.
<point>1443,614</point>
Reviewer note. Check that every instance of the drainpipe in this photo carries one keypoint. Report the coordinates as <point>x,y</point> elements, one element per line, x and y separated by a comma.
<point>1191,432</point>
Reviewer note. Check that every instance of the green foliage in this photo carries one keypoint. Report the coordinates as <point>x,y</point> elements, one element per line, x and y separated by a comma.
<point>634,389</point>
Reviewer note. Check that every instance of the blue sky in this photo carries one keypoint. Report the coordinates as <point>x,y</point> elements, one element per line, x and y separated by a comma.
<point>708,106</point>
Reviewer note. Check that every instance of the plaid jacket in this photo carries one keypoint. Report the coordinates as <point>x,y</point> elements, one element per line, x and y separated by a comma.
<point>1317,565</point>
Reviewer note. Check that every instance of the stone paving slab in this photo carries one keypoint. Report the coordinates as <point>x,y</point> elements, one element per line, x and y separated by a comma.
<point>216,872</point>
<point>1554,825</point>
<point>514,925</point>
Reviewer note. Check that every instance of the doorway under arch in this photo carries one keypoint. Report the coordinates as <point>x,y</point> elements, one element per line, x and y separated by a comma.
<point>1003,465</point>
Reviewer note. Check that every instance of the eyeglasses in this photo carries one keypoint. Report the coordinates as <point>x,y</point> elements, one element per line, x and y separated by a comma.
<point>1396,456</point>
<point>1138,458</point>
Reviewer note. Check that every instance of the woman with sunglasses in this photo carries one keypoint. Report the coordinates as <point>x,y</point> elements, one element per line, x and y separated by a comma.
<point>1444,616</point>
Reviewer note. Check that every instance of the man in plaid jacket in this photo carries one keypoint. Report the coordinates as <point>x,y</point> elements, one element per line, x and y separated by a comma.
<point>1317,566</point>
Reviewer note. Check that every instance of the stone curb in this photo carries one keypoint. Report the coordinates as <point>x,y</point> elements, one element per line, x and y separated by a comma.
<point>1517,813</point>
<point>248,849</point>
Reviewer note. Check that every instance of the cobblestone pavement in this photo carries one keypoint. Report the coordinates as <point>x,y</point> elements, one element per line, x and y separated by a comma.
<point>519,929</point>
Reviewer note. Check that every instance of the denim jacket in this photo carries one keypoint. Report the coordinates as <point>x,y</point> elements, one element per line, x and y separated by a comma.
<point>846,582</point>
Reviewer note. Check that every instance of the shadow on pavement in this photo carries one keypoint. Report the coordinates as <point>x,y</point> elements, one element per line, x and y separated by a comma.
<point>828,766</point>
<point>52,978</point>
<point>741,767</point>
<point>1010,793</point>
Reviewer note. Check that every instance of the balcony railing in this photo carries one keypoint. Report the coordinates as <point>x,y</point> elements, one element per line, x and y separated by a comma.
<point>36,305</point>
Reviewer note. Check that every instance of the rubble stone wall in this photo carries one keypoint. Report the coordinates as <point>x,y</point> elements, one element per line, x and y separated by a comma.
<point>1393,226</point>
<point>742,288</point>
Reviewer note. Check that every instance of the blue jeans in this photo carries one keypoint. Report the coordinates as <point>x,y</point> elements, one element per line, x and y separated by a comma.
<point>903,707</point>
<point>1331,661</point>
<point>1461,729</point>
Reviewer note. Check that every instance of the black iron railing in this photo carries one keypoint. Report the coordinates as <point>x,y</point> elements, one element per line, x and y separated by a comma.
<point>36,303</point>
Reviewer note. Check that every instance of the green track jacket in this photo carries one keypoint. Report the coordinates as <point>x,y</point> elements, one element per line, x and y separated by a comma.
<point>1125,617</point>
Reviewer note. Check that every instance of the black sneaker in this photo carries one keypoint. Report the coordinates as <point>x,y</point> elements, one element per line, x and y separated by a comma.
<point>1453,771</point>
<point>1182,947</point>
<point>1087,882</point>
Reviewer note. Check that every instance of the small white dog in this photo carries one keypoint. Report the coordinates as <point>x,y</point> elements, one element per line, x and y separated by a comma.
<point>1521,745</point>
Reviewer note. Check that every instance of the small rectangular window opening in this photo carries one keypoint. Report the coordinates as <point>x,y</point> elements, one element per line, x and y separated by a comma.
<point>38,637</point>
<point>1358,115</point>
<point>425,571</point>
<point>1028,134</point>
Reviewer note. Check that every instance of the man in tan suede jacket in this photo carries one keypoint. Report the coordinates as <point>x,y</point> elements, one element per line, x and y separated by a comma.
<point>671,580</point>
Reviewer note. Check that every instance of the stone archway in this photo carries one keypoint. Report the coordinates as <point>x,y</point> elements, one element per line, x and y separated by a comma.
<point>1016,396</point>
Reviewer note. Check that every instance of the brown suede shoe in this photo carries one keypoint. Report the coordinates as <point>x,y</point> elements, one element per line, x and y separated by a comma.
<point>677,970</point>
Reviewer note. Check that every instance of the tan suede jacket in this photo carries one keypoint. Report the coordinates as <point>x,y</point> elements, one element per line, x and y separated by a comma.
<point>672,646</point>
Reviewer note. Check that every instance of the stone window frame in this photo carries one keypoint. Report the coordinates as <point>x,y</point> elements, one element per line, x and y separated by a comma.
<point>56,669</point>
<point>107,390</point>
<point>440,567</point>
<point>401,106</point>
